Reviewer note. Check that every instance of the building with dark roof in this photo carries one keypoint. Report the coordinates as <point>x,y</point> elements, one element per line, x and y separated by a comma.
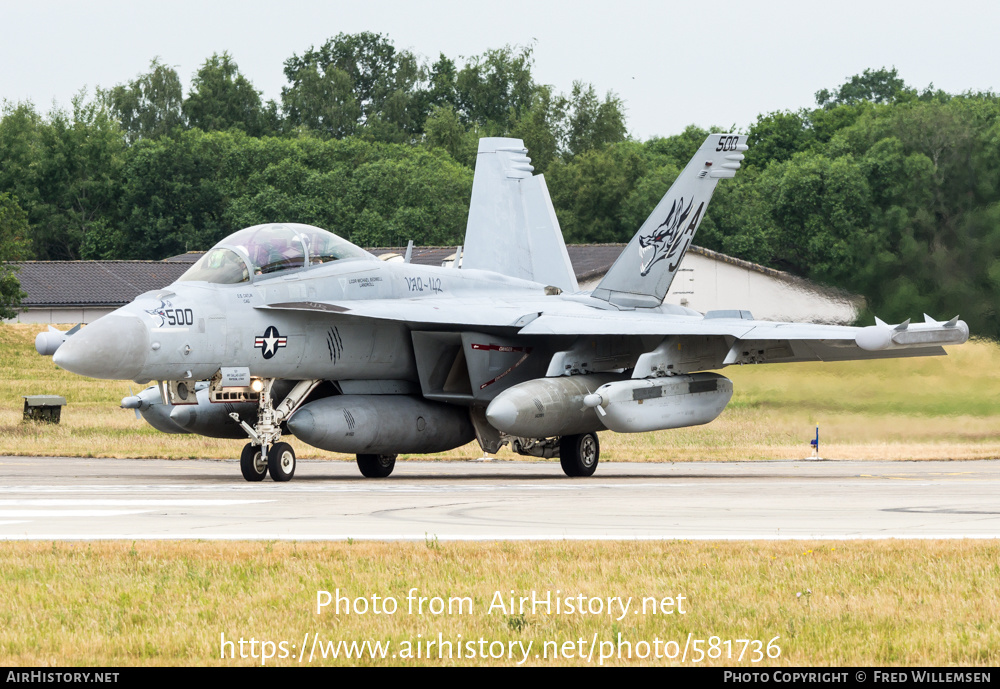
<point>82,291</point>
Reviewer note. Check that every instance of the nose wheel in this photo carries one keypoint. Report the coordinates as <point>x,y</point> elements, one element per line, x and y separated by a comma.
<point>252,463</point>
<point>281,461</point>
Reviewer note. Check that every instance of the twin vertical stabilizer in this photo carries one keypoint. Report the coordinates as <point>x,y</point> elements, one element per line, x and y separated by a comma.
<point>643,272</point>
<point>512,227</point>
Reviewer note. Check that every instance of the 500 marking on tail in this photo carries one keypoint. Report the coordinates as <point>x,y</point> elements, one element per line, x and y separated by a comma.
<point>728,143</point>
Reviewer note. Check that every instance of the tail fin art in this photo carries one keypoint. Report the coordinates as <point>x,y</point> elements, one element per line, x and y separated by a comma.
<point>643,272</point>
<point>512,227</point>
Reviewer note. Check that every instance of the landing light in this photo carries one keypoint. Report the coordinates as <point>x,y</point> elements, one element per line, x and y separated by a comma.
<point>257,385</point>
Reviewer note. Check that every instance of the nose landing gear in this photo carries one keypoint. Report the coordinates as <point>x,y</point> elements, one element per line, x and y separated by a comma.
<point>264,453</point>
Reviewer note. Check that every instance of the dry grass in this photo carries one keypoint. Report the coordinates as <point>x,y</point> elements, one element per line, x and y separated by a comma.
<point>929,603</point>
<point>929,408</point>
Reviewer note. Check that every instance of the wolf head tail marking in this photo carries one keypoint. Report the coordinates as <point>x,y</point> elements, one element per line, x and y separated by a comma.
<point>665,240</point>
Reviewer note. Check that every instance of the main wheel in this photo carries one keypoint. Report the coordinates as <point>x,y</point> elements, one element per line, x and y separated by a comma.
<point>578,454</point>
<point>252,464</point>
<point>281,461</point>
<point>376,466</point>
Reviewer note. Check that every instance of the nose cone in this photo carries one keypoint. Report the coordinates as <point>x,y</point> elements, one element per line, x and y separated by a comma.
<point>112,347</point>
<point>184,416</point>
<point>502,414</point>
<point>302,424</point>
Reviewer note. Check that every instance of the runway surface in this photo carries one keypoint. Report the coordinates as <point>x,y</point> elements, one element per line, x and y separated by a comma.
<point>45,498</point>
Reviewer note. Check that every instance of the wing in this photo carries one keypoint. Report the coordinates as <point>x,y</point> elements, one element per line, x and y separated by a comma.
<point>741,339</point>
<point>752,341</point>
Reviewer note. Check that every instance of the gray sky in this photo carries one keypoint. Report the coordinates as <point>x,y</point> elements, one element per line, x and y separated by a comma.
<point>673,63</point>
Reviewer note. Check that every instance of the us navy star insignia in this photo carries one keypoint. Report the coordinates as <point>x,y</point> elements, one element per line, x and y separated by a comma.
<point>270,342</point>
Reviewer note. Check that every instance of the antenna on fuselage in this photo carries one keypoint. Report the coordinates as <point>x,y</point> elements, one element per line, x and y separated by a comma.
<point>409,251</point>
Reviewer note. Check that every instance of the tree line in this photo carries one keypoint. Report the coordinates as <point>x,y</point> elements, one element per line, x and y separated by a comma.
<point>368,141</point>
<point>879,188</point>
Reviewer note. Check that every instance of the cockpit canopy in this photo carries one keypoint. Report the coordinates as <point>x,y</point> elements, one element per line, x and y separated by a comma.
<point>264,249</point>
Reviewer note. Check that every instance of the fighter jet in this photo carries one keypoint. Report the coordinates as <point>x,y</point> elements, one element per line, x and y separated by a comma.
<point>289,329</point>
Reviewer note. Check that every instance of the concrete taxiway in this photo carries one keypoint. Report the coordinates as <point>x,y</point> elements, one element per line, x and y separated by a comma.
<point>58,498</point>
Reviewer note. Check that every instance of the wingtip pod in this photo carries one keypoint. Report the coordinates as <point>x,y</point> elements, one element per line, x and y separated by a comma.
<point>930,333</point>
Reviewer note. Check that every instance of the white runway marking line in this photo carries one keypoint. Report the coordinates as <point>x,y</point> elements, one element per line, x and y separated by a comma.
<point>56,507</point>
<point>36,514</point>
<point>120,502</point>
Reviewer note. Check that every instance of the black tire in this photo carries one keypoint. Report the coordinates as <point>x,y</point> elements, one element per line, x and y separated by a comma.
<point>281,461</point>
<point>579,454</point>
<point>253,468</point>
<point>376,466</point>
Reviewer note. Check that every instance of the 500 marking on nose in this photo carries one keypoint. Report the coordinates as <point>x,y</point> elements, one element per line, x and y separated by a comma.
<point>179,316</point>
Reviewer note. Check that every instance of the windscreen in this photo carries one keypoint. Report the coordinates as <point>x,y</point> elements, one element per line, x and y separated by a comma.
<point>266,249</point>
<point>221,266</point>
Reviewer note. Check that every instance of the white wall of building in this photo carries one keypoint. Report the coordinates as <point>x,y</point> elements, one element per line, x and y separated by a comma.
<point>61,315</point>
<point>710,282</point>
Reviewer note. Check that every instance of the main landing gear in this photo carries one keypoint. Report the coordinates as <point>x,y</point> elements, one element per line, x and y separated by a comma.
<point>376,466</point>
<point>578,454</point>
<point>264,453</point>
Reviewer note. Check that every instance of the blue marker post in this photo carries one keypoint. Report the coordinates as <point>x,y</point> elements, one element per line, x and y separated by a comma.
<point>815,444</point>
